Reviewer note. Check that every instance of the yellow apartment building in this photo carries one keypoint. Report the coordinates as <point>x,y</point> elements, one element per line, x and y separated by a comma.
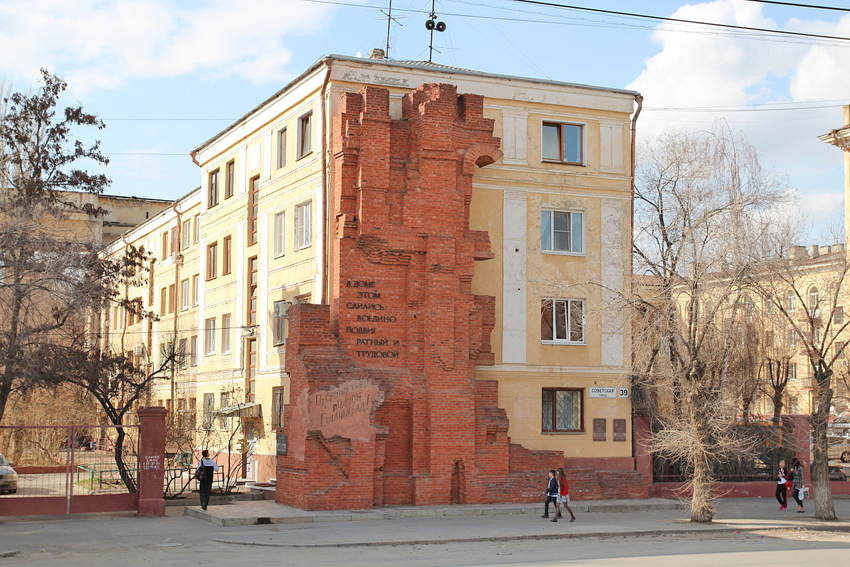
<point>258,236</point>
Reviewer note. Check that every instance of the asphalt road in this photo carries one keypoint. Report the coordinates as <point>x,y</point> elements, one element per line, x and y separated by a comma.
<point>180,540</point>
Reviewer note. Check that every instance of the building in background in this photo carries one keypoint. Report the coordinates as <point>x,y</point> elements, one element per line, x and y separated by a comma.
<point>549,232</point>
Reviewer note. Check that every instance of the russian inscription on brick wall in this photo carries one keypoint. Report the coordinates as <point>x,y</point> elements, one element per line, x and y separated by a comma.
<point>371,319</point>
<point>345,410</point>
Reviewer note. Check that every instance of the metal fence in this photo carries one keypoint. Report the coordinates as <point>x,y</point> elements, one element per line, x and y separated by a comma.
<point>68,461</point>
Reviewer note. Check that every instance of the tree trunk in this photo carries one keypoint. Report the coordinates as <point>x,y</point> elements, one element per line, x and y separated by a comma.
<point>824,505</point>
<point>126,477</point>
<point>702,493</point>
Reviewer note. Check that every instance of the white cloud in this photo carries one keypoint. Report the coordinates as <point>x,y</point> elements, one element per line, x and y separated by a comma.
<point>714,68</point>
<point>97,44</point>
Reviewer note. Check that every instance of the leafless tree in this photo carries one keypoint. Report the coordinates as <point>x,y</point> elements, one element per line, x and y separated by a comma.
<point>700,201</point>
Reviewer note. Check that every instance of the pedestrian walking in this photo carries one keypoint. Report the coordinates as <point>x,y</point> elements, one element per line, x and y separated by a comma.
<point>552,492</point>
<point>782,485</point>
<point>204,476</point>
<point>798,480</point>
<point>563,496</point>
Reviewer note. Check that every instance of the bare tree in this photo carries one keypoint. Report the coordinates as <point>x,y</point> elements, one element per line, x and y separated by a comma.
<point>49,275</point>
<point>807,291</point>
<point>699,204</point>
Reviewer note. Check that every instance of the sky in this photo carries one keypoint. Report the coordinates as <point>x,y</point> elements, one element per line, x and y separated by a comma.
<point>167,75</point>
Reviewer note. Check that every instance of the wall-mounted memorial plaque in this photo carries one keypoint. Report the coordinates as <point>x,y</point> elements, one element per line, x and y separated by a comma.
<point>619,430</point>
<point>599,429</point>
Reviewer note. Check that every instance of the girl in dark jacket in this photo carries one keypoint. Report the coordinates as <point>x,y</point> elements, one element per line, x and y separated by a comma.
<point>563,496</point>
<point>782,485</point>
<point>552,491</point>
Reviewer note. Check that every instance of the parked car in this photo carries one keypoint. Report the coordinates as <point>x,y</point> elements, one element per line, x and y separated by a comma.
<point>835,473</point>
<point>8,477</point>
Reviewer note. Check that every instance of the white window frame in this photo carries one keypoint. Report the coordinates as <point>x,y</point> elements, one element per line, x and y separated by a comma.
<point>209,336</point>
<point>281,148</point>
<point>304,225</point>
<point>279,234</point>
<point>226,323</point>
<point>185,288</point>
<point>213,187</point>
<point>572,222</point>
<point>790,301</point>
<point>567,302</point>
<point>279,325</point>
<point>186,236</point>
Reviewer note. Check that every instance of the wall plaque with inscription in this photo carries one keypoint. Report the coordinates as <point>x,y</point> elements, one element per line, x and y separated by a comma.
<point>599,427</point>
<point>345,410</point>
<point>619,430</point>
<point>281,444</point>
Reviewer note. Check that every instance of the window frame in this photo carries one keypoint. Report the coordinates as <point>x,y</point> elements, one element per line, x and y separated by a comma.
<point>253,209</point>
<point>582,142</point>
<point>196,234</point>
<point>279,325</point>
<point>303,140</point>
<point>554,416</point>
<point>186,235</point>
<point>302,229</point>
<point>212,188</point>
<point>281,148</point>
<point>184,293</point>
<point>209,336</point>
<point>551,250</point>
<point>193,350</point>
<point>568,329</point>
<point>196,289</point>
<point>212,258</point>
<point>226,255</point>
<point>278,403</point>
<point>279,234</point>
<point>838,315</point>
<point>226,323</point>
<point>229,179</point>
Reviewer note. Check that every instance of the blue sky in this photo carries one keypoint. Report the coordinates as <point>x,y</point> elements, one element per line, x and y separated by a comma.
<point>167,75</point>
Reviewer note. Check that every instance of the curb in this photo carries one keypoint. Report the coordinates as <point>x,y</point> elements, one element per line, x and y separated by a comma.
<point>532,537</point>
<point>11,553</point>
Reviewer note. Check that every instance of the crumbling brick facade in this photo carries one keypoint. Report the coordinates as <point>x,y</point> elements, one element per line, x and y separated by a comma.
<point>384,405</point>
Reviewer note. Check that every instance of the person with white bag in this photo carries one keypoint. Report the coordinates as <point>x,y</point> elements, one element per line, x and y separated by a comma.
<point>798,490</point>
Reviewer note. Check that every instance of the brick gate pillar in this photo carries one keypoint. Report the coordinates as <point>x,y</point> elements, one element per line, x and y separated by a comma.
<point>151,460</point>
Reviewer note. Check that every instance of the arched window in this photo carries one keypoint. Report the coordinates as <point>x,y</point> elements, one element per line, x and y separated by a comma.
<point>790,301</point>
<point>749,307</point>
<point>813,298</point>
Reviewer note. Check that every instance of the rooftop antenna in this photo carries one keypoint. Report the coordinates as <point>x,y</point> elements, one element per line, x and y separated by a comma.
<point>431,25</point>
<point>390,20</point>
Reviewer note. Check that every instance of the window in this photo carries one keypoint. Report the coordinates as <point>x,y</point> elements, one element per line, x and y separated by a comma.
<point>813,299</point>
<point>212,254</point>
<point>768,339</point>
<point>183,353</point>
<point>209,336</point>
<point>562,321</point>
<point>792,371</point>
<point>749,308</point>
<point>562,231</point>
<point>196,288</point>
<point>790,301</point>
<point>209,408</point>
<point>164,245</point>
<point>792,404</point>
<point>253,198</point>
<point>197,234</point>
<point>163,300</point>
<point>172,298</point>
<point>186,235</point>
<point>223,402</point>
<point>279,231</point>
<point>226,255</point>
<point>792,337</point>
<point>303,225</point>
<point>229,179</point>
<point>839,350</point>
<point>562,143</point>
<point>225,333</point>
<point>280,315</point>
<point>562,410</point>
<point>768,306</point>
<point>193,350</point>
<point>281,148</point>
<point>252,290</point>
<point>184,294</point>
<point>251,367</point>
<point>838,316</point>
<point>277,407</point>
<point>213,190</point>
<point>305,126</point>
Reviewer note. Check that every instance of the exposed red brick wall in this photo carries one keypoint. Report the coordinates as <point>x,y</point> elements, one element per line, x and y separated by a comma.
<point>384,405</point>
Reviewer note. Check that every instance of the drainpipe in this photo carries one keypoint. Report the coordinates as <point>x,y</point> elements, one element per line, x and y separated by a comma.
<point>639,101</point>
<point>325,287</point>
<point>177,257</point>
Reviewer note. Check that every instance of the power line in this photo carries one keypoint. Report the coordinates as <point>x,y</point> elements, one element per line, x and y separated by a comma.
<point>727,109</point>
<point>679,20</point>
<point>796,5</point>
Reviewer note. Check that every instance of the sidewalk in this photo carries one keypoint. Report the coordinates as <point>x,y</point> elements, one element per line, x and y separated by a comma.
<point>462,524</point>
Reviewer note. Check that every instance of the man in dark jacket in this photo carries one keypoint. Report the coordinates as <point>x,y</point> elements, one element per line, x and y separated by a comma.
<point>204,474</point>
<point>551,493</point>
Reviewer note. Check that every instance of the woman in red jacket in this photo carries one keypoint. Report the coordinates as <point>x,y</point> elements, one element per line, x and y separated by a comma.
<point>563,497</point>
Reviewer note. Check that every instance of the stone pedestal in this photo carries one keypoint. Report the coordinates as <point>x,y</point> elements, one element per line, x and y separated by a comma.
<point>151,460</point>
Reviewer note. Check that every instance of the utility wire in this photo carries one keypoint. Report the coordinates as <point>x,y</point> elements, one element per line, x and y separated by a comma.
<point>796,5</point>
<point>679,20</point>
